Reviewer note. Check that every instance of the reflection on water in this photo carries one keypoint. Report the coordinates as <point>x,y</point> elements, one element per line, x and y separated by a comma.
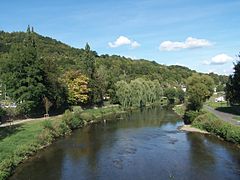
<point>141,145</point>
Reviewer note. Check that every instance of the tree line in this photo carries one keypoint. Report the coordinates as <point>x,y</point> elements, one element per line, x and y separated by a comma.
<point>42,74</point>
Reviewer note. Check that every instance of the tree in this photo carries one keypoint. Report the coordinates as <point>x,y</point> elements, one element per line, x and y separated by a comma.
<point>77,85</point>
<point>23,75</point>
<point>94,84</point>
<point>29,78</point>
<point>123,93</point>
<point>233,85</point>
<point>170,93</point>
<point>199,89</point>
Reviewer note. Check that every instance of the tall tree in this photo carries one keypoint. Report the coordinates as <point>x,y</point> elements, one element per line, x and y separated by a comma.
<point>23,75</point>
<point>233,85</point>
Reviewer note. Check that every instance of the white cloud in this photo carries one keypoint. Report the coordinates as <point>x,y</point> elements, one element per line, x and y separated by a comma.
<point>219,60</point>
<point>135,44</point>
<point>189,43</point>
<point>121,41</point>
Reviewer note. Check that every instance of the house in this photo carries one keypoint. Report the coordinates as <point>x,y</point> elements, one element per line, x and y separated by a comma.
<point>219,99</point>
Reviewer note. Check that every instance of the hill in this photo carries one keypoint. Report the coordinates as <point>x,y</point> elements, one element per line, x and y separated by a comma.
<point>67,57</point>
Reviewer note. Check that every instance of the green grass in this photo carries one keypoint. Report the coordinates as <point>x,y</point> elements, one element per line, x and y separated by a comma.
<point>217,104</point>
<point>20,141</point>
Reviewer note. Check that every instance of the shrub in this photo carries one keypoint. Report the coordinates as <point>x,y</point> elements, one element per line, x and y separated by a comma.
<point>77,109</point>
<point>64,128</point>
<point>72,120</point>
<point>189,116</point>
<point>86,116</point>
<point>47,124</point>
<point>45,137</point>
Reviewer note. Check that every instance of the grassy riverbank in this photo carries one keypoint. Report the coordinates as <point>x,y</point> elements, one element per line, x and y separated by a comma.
<point>23,140</point>
<point>214,125</point>
<point>209,122</point>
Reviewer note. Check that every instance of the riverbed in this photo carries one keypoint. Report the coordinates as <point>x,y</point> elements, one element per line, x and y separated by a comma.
<point>143,144</point>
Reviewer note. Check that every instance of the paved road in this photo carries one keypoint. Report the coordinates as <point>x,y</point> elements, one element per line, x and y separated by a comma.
<point>223,116</point>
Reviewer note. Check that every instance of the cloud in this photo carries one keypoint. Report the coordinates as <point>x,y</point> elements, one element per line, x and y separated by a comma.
<point>189,43</point>
<point>121,41</point>
<point>219,60</point>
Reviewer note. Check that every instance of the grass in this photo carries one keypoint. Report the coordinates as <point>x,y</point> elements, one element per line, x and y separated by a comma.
<point>217,104</point>
<point>20,141</point>
<point>224,107</point>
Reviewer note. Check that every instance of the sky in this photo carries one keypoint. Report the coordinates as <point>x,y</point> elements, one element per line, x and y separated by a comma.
<point>202,35</point>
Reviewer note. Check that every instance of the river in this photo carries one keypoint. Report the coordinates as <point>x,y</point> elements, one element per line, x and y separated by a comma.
<point>140,145</point>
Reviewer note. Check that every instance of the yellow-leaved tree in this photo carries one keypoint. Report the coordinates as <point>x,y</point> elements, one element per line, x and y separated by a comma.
<point>77,85</point>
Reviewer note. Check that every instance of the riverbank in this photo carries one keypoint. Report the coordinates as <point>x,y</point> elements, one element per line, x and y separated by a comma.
<point>189,128</point>
<point>20,141</point>
<point>208,122</point>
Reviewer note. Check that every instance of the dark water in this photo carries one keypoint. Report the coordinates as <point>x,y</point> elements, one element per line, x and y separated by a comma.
<point>142,145</point>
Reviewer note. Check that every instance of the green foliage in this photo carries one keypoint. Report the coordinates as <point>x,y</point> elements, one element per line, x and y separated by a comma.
<point>72,120</point>
<point>212,124</point>
<point>138,92</point>
<point>180,109</point>
<point>233,85</point>
<point>190,116</point>
<point>199,89</point>
<point>170,93</point>
<point>103,71</point>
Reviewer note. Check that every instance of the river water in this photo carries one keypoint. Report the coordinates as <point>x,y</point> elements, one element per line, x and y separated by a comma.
<point>140,145</point>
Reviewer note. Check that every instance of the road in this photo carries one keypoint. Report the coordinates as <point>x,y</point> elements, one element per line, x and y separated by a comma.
<point>223,116</point>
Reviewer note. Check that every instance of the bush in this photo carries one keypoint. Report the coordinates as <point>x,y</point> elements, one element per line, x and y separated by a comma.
<point>64,128</point>
<point>47,124</point>
<point>73,120</point>
<point>189,116</point>
<point>77,109</point>
<point>45,137</point>
<point>86,116</point>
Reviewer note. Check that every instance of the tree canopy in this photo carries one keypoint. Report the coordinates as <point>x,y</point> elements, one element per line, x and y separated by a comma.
<point>233,85</point>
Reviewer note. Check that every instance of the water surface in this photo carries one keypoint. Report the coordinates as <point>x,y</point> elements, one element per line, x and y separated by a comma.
<point>141,145</point>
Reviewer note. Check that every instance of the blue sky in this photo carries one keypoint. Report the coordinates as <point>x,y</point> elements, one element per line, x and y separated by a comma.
<point>202,35</point>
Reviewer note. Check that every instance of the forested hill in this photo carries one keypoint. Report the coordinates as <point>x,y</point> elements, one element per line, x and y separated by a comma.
<point>114,67</point>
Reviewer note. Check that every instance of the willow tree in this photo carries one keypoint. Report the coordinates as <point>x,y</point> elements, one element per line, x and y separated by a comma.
<point>123,93</point>
<point>138,96</point>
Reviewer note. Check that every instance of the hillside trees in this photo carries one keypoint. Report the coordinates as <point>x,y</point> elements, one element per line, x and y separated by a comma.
<point>23,74</point>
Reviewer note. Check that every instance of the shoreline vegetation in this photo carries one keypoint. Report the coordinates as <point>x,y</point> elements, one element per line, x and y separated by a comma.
<point>21,141</point>
<point>206,122</point>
